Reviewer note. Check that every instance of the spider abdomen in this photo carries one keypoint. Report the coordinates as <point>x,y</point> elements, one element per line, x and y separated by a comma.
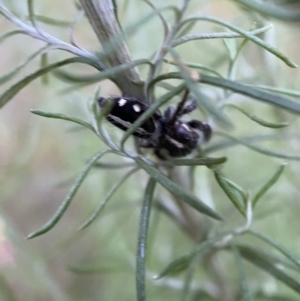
<point>125,111</point>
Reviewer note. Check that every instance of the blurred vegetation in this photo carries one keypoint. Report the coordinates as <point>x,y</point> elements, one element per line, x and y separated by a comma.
<point>240,51</point>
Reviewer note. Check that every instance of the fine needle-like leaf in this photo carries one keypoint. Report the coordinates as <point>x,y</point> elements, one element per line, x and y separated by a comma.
<point>257,94</point>
<point>183,262</point>
<point>280,11</point>
<point>268,185</point>
<point>31,12</point>
<point>107,74</point>
<point>65,204</point>
<point>274,125</point>
<point>245,34</point>
<point>258,148</point>
<point>13,90</point>
<point>51,21</point>
<point>217,35</point>
<point>142,241</point>
<point>195,66</point>
<point>63,117</point>
<point>250,139</point>
<point>262,261</point>
<point>105,200</point>
<point>10,75</point>
<point>43,63</point>
<point>242,275</point>
<point>10,34</point>
<point>236,196</point>
<point>172,187</point>
<point>282,249</point>
<point>199,161</point>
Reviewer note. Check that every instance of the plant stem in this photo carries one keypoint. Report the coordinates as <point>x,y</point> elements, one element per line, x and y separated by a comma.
<point>102,17</point>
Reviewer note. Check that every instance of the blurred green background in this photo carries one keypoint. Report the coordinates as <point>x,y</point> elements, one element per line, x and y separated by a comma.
<point>40,157</point>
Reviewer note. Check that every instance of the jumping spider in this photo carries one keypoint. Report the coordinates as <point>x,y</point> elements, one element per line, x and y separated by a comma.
<point>167,134</point>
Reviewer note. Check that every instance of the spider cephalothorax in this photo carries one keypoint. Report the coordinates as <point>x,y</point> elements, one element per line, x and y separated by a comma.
<point>167,134</point>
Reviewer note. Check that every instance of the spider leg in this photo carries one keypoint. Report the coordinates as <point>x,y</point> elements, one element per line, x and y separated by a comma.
<point>168,114</point>
<point>202,127</point>
<point>189,108</point>
<point>179,109</point>
<point>171,114</point>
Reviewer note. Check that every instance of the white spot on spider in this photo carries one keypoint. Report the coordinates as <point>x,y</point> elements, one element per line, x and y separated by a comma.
<point>186,127</point>
<point>122,102</point>
<point>137,108</point>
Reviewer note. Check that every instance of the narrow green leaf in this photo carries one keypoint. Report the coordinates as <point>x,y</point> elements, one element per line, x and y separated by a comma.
<point>105,200</point>
<point>233,62</point>
<point>148,113</point>
<point>282,249</point>
<point>274,125</point>
<point>109,73</point>
<point>198,161</point>
<point>268,184</point>
<point>31,12</point>
<point>161,17</point>
<point>183,262</point>
<point>218,35</point>
<point>196,66</point>
<point>10,75</point>
<point>231,47</point>
<point>142,241</point>
<point>242,275</point>
<point>43,63</point>
<point>253,138</point>
<point>63,117</point>
<point>268,97</point>
<point>259,149</point>
<point>82,80</point>
<point>289,92</point>
<point>278,260</point>
<point>13,90</point>
<point>51,21</point>
<point>77,5</point>
<point>257,94</point>
<point>234,195</point>
<point>245,34</point>
<point>263,262</point>
<point>192,85</point>
<point>114,42</point>
<point>67,201</point>
<point>189,275</point>
<point>173,188</point>
<point>271,9</point>
<point>177,266</point>
<point>10,34</point>
<point>114,166</point>
<point>185,29</point>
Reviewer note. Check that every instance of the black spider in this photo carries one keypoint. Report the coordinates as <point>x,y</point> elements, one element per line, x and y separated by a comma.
<point>167,134</point>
